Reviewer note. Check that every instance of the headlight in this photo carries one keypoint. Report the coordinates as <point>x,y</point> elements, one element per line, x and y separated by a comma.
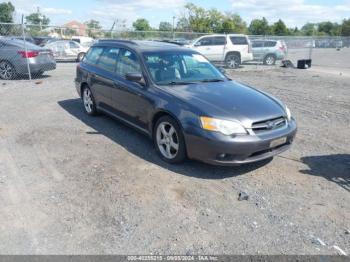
<point>223,126</point>
<point>289,114</point>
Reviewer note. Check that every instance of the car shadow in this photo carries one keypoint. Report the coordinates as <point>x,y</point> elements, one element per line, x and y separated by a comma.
<point>34,77</point>
<point>139,145</point>
<point>335,168</point>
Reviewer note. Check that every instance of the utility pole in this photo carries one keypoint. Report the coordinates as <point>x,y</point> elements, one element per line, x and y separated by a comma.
<point>174,27</point>
<point>40,18</point>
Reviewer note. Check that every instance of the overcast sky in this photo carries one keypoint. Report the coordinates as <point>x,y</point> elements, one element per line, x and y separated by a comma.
<point>293,12</point>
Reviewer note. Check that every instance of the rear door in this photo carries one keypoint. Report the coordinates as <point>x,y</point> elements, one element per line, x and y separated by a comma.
<point>130,98</point>
<point>241,44</point>
<point>258,49</point>
<point>218,48</point>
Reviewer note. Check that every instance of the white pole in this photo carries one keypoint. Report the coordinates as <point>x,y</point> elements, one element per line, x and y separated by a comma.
<point>25,48</point>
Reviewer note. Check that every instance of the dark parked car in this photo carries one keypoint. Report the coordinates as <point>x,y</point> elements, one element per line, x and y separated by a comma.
<point>16,54</point>
<point>184,103</point>
<point>43,40</point>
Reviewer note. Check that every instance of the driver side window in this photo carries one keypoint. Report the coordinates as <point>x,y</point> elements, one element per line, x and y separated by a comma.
<point>205,41</point>
<point>127,63</point>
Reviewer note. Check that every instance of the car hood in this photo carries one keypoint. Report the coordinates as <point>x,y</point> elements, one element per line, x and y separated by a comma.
<point>229,100</point>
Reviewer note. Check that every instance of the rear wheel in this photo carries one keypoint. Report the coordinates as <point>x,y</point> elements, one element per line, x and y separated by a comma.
<point>233,61</point>
<point>7,71</point>
<point>89,102</point>
<point>169,140</point>
<point>269,60</point>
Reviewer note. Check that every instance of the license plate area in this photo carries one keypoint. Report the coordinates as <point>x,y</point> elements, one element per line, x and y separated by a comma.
<point>278,142</point>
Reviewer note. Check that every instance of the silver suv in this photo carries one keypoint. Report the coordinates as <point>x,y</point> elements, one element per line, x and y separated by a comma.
<point>269,51</point>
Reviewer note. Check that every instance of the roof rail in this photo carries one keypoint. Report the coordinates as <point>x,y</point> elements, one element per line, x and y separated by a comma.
<point>118,41</point>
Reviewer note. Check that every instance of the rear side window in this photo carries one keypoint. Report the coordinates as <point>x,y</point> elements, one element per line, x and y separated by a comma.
<point>257,44</point>
<point>73,44</point>
<point>108,59</point>
<point>239,40</point>
<point>269,43</point>
<point>93,55</point>
<point>219,40</point>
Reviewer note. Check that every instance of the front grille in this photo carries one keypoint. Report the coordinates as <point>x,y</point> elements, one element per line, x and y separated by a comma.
<point>270,124</point>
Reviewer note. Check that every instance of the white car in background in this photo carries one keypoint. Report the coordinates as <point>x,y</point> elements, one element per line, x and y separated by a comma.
<point>67,50</point>
<point>232,49</point>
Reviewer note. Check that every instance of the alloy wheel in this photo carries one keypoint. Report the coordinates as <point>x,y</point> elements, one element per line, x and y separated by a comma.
<point>167,140</point>
<point>6,70</point>
<point>88,101</point>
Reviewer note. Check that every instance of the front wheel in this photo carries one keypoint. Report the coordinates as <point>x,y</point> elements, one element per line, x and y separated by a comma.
<point>169,140</point>
<point>233,61</point>
<point>89,102</point>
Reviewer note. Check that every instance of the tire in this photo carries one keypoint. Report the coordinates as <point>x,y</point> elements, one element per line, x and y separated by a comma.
<point>89,101</point>
<point>169,140</point>
<point>233,61</point>
<point>269,60</point>
<point>7,70</point>
<point>80,57</point>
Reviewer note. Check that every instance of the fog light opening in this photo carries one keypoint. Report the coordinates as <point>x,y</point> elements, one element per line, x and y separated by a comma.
<point>224,157</point>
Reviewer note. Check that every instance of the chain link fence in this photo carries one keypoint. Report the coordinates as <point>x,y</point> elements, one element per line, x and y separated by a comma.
<point>29,51</point>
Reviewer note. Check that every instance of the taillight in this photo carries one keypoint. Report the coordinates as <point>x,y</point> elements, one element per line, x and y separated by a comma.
<point>28,54</point>
<point>249,47</point>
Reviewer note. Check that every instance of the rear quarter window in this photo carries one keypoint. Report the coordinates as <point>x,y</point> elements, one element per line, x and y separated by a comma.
<point>93,55</point>
<point>270,43</point>
<point>239,40</point>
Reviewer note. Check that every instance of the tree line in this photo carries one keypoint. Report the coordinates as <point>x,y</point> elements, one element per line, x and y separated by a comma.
<point>198,19</point>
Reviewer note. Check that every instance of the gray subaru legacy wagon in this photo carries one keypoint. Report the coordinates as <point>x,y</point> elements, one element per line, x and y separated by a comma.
<point>185,104</point>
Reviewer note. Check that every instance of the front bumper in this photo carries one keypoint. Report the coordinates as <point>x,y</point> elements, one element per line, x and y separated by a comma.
<point>209,146</point>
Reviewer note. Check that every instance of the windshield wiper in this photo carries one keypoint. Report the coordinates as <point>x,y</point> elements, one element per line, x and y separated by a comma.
<point>212,80</point>
<point>173,83</point>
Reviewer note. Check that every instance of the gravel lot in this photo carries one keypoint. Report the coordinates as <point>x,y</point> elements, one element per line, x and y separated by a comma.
<point>73,184</point>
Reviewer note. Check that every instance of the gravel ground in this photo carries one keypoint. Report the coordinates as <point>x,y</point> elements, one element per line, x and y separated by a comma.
<point>73,184</point>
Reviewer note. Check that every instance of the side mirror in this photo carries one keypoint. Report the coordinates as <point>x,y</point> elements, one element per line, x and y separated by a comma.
<point>197,44</point>
<point>135,77</point>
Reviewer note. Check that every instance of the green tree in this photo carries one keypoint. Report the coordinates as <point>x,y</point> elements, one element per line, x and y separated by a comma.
<point>214,20</point>
<point>183,25</point>
<point>240,26</point>
<point>93,24</point>
<point>141,24</point>
<point>6,12</point>
<point>37,19</point>
<point>165,26</point>
<point>197,18</point>
<point>93,28</point>
<point>259,27</point>
<point>309,29</point>
<point>279,28</point>
<point>325,27</point>
<point>345,27</point>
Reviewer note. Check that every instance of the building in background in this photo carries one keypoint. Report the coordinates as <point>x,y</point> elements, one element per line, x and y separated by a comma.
<point>79,28</point>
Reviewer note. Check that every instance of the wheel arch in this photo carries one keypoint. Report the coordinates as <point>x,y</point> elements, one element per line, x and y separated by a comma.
<point>82,86</point>
<point>233,53</point>
<point>160,113</point>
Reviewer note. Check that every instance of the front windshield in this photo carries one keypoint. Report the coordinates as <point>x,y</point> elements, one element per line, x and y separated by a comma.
<point>181,68</point>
